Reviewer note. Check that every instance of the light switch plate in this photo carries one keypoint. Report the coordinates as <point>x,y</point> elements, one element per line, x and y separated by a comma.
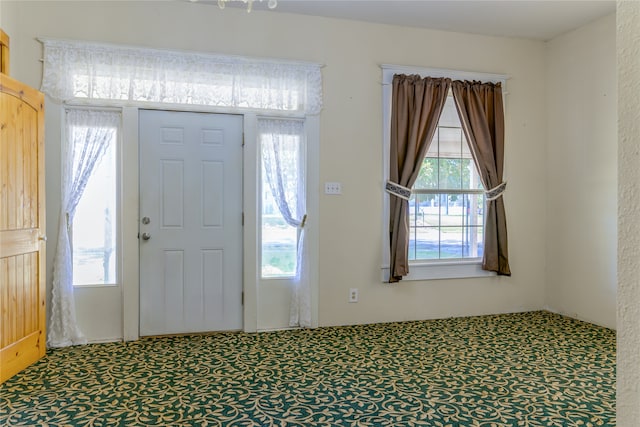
<point>332,188</point>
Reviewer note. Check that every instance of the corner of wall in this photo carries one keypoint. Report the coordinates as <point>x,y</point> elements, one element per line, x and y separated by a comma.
<point>628,54</point>
<point>581,172</point>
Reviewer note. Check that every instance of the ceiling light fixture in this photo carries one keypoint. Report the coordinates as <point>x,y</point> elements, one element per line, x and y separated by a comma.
<point>271,3</point>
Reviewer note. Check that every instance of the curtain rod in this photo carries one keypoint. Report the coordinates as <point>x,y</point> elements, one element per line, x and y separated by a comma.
<point>442,72</point>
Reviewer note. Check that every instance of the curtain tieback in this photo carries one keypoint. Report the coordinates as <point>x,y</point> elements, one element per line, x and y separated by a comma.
<point>398,190</point>
<point>495,192</point>
<point>304,221</point>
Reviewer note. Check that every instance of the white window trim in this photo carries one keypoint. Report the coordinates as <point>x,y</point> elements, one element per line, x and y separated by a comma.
<point>118,185</point>
<point>423,270</point>
<point>303,159</point>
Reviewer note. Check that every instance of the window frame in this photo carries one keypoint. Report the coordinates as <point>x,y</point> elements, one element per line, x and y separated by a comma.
<point>423,269</point>
<point>302,167</point>
<point>436,153</point>
<point>118,189</point>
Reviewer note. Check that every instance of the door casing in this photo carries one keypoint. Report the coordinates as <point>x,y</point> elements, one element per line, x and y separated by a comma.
<point>130,215</point>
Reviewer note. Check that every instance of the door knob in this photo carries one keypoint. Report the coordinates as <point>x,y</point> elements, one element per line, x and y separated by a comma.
<point>146,236</point>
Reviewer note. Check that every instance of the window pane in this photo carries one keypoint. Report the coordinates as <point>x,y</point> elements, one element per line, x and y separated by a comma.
<point>470,176</point>
<point>449,116</point>
<point>424,221</point>
<point>475,182</point>
<point>446,226</point>
<point>450,142</point>
<point>279,239</point>
<point>413,225</point>
<point>428,176</point>
<point>468,169</point>
<point>466,150</point>
<point>95,227</point>
<point>433,149</point>
<point>450,242</point>
<point>474,226</point>
<point>450,173</point>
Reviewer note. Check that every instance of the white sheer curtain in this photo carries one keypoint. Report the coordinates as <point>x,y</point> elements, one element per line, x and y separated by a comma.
<point>88,133</point>
<point>74,69</point>
<point>281,143</point>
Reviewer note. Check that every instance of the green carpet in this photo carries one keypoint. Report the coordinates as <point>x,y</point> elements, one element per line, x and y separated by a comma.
<point>529,369</point>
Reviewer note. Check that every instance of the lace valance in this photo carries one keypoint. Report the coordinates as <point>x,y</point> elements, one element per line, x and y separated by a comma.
<point>74,69</point>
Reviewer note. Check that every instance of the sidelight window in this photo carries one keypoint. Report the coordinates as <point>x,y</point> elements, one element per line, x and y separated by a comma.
<point>92,197</point>
<point>283,195</point>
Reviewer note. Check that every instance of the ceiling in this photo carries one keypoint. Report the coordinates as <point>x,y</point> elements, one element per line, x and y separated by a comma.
<point>531,19</point>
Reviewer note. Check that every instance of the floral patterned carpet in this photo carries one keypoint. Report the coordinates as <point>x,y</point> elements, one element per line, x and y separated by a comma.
<point>529,369</point>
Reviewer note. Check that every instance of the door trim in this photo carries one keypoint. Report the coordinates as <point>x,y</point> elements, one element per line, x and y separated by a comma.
<point>250,231</point>
<point>130,214</point>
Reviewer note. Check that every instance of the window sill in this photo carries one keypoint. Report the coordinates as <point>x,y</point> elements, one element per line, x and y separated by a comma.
<point>96,285</point>
<point>442,270</point>
<point>277,278</point>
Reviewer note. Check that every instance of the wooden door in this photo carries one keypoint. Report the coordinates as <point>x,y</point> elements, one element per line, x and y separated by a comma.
<point>191,222</point>
<point>22,227</point>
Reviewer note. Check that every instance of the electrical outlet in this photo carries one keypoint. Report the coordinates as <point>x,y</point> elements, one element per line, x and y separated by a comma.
<point>353,295</point>
<point>332,188</point>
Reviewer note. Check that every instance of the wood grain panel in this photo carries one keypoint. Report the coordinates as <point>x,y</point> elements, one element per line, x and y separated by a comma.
<point>7,161</point>
<point>25,160</point>
<point>31,175</point>
<point>4,156</point>
<point>15,108</point>
<point>18,242</point>
<point>20,354</point>
<point>21,301</point>
<point>18,167</point>
<point>5,326</point>
<point>9,319</point>
<point>31,276</point>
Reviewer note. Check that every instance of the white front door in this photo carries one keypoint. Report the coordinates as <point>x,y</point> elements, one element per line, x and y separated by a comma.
<point>190,222</point>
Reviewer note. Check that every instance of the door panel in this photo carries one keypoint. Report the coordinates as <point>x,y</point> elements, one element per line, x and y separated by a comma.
<point>191,193</point>
<point>22,227</point>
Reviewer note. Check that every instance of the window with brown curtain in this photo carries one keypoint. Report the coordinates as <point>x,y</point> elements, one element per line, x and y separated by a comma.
<point>445,155</point>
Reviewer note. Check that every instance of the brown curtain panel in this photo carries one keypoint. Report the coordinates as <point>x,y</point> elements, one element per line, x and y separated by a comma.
<point>416,107</point>
<point>481,112</point>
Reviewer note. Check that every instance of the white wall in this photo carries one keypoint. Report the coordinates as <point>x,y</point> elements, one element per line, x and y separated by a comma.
<point>628,53</point>
<point>351,140</point>
<point>7,22</point>
<point>6,17</point>
<point>582,173</point>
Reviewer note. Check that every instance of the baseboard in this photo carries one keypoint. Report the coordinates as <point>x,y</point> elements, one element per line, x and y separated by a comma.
<point>576,316</point>
<point>104,340</point>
